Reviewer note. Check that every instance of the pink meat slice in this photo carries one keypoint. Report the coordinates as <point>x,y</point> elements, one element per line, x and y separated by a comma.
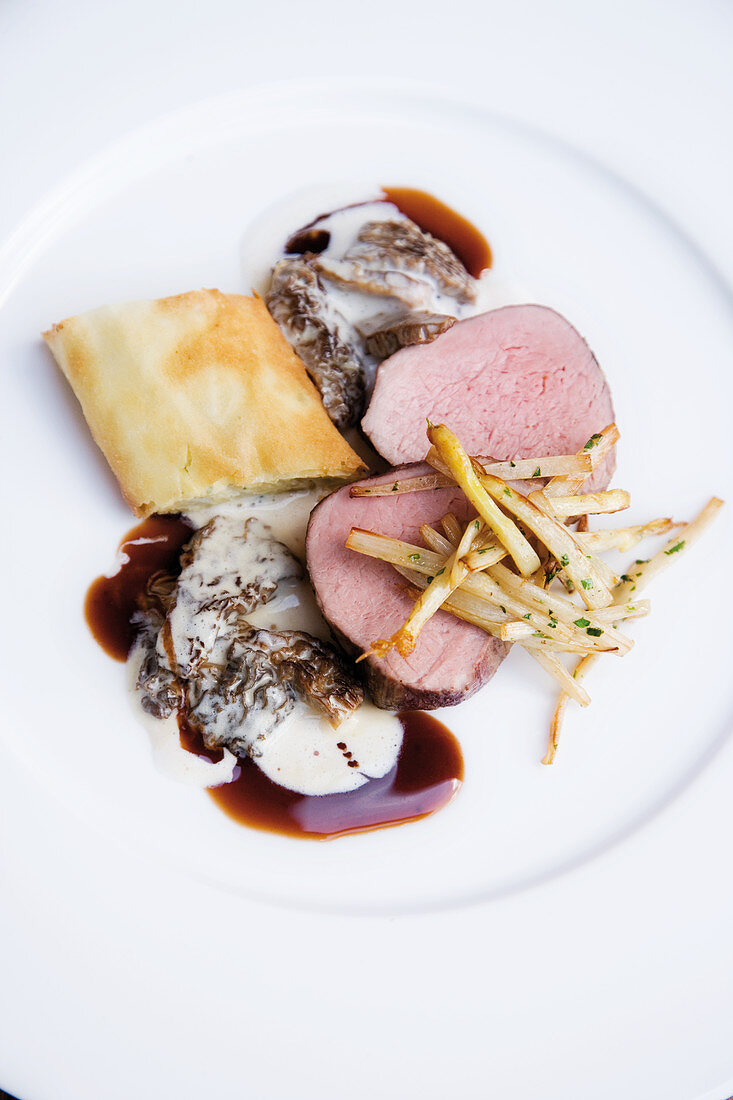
<point>511,383</point>
<point>364,599</point>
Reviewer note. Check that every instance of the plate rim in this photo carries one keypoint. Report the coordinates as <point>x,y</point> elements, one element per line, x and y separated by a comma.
<point>45,215</point>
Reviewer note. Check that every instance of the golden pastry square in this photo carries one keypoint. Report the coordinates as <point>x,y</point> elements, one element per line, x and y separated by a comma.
<point>195,397</point>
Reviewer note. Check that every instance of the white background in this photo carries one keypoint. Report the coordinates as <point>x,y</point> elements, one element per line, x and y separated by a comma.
<point>648,89</point>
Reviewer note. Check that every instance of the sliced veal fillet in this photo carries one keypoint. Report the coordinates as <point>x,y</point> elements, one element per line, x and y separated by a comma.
<point>364,599</point>
<point>511,383</point>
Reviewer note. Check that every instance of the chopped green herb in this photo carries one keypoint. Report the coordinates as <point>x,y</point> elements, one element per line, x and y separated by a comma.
<point>414,557</point>
<point>512,464</point>
<point>594,631</point>
<point>501,605</point>
<point>672,550</point>
<point>582,622</point>
<point>395,487</point>
<point>477,523</point>
<point>594,440</point>
<point>507,492</point>
<point>538,634</point>
<point>440,573</point>
<point>528,615</point>
<point>537,473</point>
<point>586,582</point>
<point>641,561</point>
<point>552,623</point>
<point>429,580</point>
<point>564,560</point>
<point>626,577</point>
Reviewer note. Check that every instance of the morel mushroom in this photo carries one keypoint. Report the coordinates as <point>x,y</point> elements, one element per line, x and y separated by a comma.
<point>235,682</point>
<point>323,338</point>
<point>361,283</point>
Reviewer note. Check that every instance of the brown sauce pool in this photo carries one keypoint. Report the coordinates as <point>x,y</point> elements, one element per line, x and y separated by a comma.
<point>428,773</point>
<point>434,217</point>
<point>192,741</point>
<point>154,546</point>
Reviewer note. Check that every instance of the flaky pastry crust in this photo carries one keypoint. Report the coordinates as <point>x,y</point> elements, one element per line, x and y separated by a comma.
<point>197,397</point>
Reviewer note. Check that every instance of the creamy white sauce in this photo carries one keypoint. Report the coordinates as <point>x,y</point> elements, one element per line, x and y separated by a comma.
<point>263,239</point>
<point>169,756</point>
<point>344,224</point>
<point>369,312</point>
<point>495,291</point>
<point>262,244</point>
<point>301,752</point>
<point>293,607</point>
<point>285,513</point>
<point>235,551</point>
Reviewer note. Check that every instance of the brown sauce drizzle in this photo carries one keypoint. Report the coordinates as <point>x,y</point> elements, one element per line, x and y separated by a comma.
<point>308,242</point>
<point>154,546</point>
<point>192,741</point>
<point>434,217</point>
<point>428,773</point>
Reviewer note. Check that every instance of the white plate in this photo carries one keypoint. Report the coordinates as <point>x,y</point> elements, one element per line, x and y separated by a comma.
<point>166,211</point>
